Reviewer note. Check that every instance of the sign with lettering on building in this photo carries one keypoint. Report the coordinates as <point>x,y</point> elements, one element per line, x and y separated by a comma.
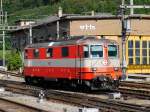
<point>87,27</point>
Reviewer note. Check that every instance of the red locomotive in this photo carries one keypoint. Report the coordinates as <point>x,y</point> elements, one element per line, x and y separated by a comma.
<point>87,61</point>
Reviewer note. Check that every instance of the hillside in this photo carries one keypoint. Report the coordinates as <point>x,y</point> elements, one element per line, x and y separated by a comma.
<point>35,9</point>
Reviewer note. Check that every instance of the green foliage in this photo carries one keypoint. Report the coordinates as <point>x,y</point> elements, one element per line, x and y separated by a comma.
<point>35,13</point>
<point>8,52</point>
<point>7,44</point>
<point>78,6</point>
<point>36,9</point>
<point>14,61</point>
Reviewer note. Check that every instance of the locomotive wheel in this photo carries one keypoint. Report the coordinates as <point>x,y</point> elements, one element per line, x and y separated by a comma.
<point>87,86</point>
<point>115,85</point>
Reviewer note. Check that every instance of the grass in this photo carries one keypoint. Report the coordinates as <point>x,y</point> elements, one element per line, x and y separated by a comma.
<point>35,13</point>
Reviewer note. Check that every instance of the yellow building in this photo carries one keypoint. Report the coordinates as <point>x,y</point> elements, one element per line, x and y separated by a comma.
<point>138,54</point>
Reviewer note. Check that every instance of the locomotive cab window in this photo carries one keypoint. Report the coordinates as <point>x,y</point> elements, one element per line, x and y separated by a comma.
<point>86,51</point>
<point>36,53</point>
<point>26,54</point>
<point>112,50</point>
<point>65,51</point>
<point>96,51</point>
<point>49,52</point>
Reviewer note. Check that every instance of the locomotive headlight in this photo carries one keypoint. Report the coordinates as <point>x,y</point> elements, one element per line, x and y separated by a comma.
<point>116,68</point>
<point>94,69</point>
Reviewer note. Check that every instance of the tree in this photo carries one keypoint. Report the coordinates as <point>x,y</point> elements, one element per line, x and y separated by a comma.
<point>46,2</point>
<point>14,61</point>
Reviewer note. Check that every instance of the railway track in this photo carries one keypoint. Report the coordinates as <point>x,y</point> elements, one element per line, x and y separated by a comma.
<point>143,85</point>
<point>128,89</point>
<point>11,106</point>
<point>75,98</point>
<point>83,99</point>
<point>11,73</point>
<point>135,89</point>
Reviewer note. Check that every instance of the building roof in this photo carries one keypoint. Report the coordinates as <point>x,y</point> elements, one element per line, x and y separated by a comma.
<point>92,17</point>
<point>52,19</point>
<point>44,21</point>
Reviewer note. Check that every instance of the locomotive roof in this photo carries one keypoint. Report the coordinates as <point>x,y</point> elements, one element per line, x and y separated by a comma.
<point>75,41</point>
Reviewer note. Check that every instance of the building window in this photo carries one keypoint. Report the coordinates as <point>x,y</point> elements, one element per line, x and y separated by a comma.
<point>130,44</point>
<point>137,52</point>
<point>144,52</point>
<point>130,61</point>
<point>86,51</point>
<point>144,44</point>
<point>137,60</point>
<point>36,53</point>
<point>65,51</point>
<point>49,52</point>
<point>130,52</point>
<point>137,44</point>
<point>144,60</point>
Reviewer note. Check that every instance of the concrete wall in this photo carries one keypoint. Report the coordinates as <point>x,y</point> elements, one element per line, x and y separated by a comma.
<point>140,27</point>
<point>108,27</point>
<point>95,27</point>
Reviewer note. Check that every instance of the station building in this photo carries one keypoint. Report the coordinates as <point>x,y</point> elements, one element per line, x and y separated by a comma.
<point>102,26</point>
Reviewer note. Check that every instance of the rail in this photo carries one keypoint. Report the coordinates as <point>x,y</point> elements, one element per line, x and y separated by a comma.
<point>11,73</point>
<point>6,105</point>
<point>135,89</point>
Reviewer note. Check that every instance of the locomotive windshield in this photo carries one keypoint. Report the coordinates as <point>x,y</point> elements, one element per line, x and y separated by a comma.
<point>112,50</point>
<point>96,51</point>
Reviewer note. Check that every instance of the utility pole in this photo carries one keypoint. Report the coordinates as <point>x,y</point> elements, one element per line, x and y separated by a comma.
<point>3,28</point>
<point>123,33</point>
<point>1,12</point>
<point>58,31</point>
<point>124,30</point>
<point>132,9</point>
<point>3,31</point>
<point>4,64</point>
<point>30,34</point>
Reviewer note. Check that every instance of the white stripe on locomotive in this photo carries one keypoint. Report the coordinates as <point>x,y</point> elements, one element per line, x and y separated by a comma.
<point>113,62</point>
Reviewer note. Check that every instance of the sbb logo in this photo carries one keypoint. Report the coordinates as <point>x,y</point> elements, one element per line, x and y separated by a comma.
<point>105,62</point>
